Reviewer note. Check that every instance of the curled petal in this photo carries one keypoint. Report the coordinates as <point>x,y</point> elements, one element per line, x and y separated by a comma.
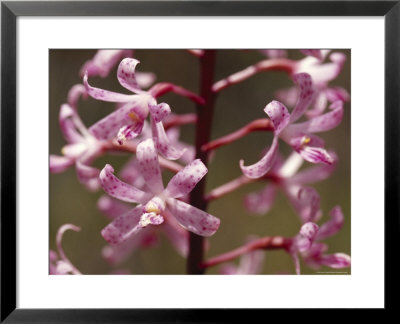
<point>77,91</point>
<point>105,95</point>
<point>121,190</point>
<point>336,260</point>
<point>123,227</point>
<point>306,95</point>
<point>331,227</point>
<point>87,175</point>
<point>149,167</point>
<point>109,126</point>
<point>60,163</point>
<point>112,208</point>
<point>160,111</point>
<point>185,180</point>
<point>103,61</point>
<point>260,168</point>
<point>192,218</point>
<point>164,146</point>
<point>278,114</point>
<point>67,124</point>
<point>66,265</point>
<point>262,201</point>
<point>126,74</point>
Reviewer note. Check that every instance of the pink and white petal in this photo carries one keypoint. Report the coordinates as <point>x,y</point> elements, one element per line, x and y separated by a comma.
<point>160,111</point>
<point>315,155</point>
<point>121,190</point>
<point>192,218</point>
<point>105,95</point>
<point>76,92</point>
<point>278,114</point>
<point>337,93</point>
<point>145,79</point>
<point>124,227</point>
<point>164,145</point>
<point>185,180</point>
<point>306,95</point>
<point>149,167</point>
<point>336,260</point>
<point>178,236</point>
<point>111,207</point>
<point>318,106</point>
<point>129,132</point>
<point>309,203</point>
<point>262,201</point>
<point>67,124</point>
<point>291,166</point>
<point>309,230</point>
<point>313,52</point>
<point>323,122</point>
<point>127,76</point>
<point>260,168</point>
<point>109,126</point>
<point>87,175</point>
<point>288,96</point>
<point>332,226</point>
<point>60,163</point>
<point>130,174</point>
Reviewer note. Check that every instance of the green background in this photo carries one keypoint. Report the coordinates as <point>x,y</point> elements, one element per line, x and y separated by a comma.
<point>235,106</point>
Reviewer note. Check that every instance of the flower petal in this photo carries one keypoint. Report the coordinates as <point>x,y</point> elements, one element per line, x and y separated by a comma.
<point>160,111</point>
<point>126,74</point>
<point>309,204</point>
<point>105,95</point>
<point>331,227</point>
<point>178,237</point>
<point>318,106</point>
<point>185,180</point>
<point>109,126</point>
<point>306,95</point>
<point>313,52</point>
<point>77,91</point>
<point>260,168</point>
<point>192,218</point>
<point>336,260</point>
<point>262,201</point>
<point>337,93</point>
<point>164,146</point>
<point>67,124</point>
<point>87,175</point>
<point>129,132</point>
<point>121,190</point>
<point>123,227</point>
<point>278,114</point>
<point>60,163</point>
<point>315,155</point>
<point>149,167</point>
<point>130,173</point>
<point>112,208</point>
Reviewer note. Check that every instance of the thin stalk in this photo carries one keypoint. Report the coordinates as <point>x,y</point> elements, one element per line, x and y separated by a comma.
<point>203,133</point>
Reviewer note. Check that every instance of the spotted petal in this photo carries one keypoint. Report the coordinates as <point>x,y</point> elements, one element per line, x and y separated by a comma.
<point>185,180</point>
<point>278,114</point>
<point>160,111</point>
<point>121,190</point>
<point>164,145</point>
<point>306,95</point>
<point>126,74</point>
<point>309,204</point>
<point>315,155</point>
<point>149,167</point>
<point>260,168</point>
<point>123,227</point>
<point>192,218</point>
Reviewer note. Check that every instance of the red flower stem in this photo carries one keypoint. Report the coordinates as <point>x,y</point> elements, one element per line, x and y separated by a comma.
<point>262,124</point>
<point>265,243</point>
<point>131,148</point>
<point>202,136</point>
<point>278,64</point>
<point>228,187</point>
<point>178,120</point>
<point>162,88</point>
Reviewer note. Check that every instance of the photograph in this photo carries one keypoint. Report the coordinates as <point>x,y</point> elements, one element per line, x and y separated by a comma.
<point>199,161</point>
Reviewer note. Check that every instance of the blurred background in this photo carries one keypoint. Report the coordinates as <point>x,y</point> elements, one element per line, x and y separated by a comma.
<point>235,107</point>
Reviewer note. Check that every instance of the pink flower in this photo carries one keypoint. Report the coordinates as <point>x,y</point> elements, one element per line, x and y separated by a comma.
<point>83,146</point>
<point>60,264</point>
<point>286,176</point>
<point>299,136</point>
<point>127,121</point>
<point>104,61</point>
<point>154,201</point>
<point>321,74</point>
<point>307,245</point>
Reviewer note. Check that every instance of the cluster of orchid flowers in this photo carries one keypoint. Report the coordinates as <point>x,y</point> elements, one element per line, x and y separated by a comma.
<point>155,147</point>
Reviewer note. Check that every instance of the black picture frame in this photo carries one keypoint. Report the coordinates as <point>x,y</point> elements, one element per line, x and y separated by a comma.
<point>11,10</point>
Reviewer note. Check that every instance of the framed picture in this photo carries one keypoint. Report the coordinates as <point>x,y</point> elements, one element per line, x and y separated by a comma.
<point>214,66</point>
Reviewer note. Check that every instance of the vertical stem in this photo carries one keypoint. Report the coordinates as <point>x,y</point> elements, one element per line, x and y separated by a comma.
<point>203,132</point>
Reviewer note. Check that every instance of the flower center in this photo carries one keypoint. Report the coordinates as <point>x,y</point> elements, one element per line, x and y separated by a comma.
<point>305,140</point>
<point>151,207</point>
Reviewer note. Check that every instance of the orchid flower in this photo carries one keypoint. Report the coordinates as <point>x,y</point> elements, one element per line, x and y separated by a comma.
<point>299,136</point>
<point>60,264</point>
<point>250,263</point>
<point>104,61</point>
<point>286,176</point>
<point>127,121</point>
<point>83,146</point>
<point>154,201</point>
<point>307,245</point>
<point>321,74</point>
